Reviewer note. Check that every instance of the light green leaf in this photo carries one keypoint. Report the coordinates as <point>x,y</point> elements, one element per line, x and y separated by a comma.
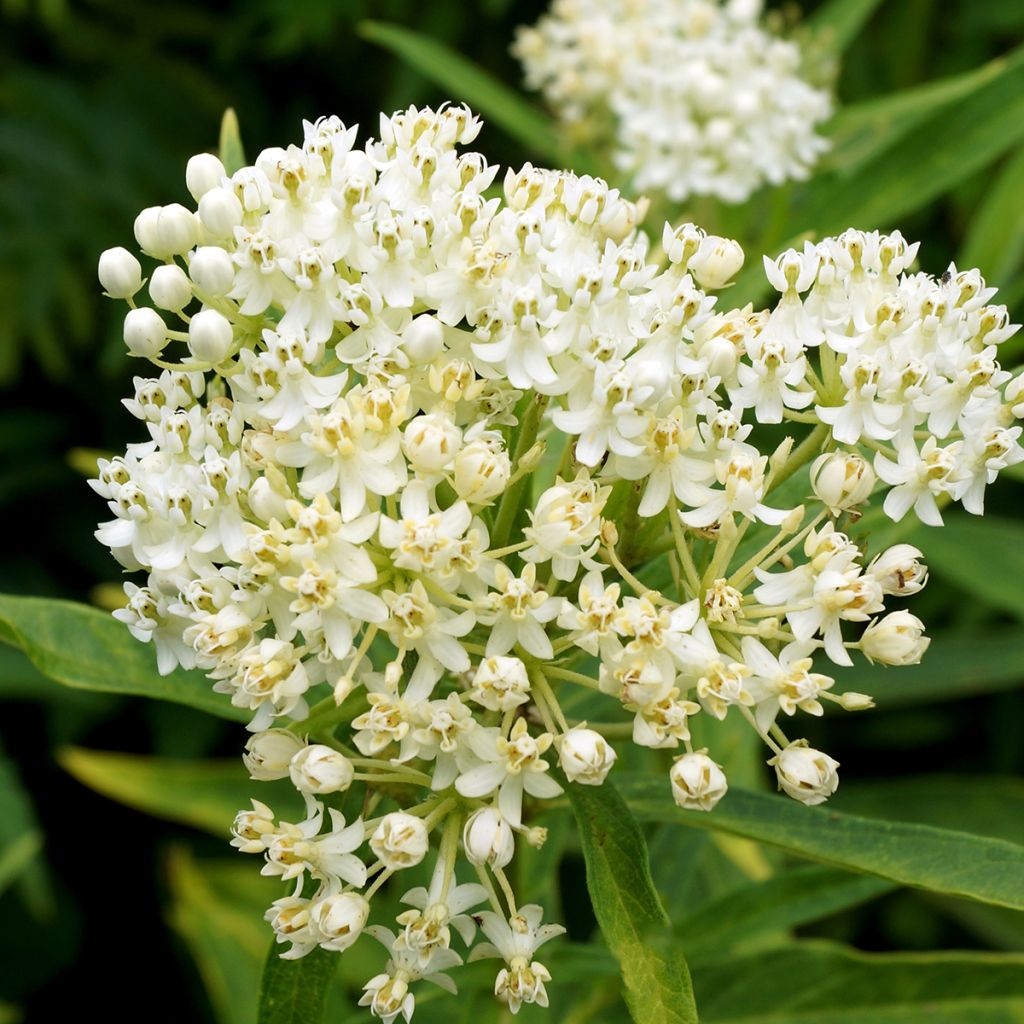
<point>227,937</point>
<point>204,794</point>
<point>942,860</point>
<point>469,83</point>
<point>954,666</point>
<point>793,898</point>
<point>822,983</point>
<point>836,23</point>
<point>232,153</point>
<point>628,910</point>
<point>983,556</point>
<point>995,242</point>
<point>295,991</point>
<point>85,648</point>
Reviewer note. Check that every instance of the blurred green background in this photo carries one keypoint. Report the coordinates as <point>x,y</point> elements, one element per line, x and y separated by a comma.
<point>101,104</point>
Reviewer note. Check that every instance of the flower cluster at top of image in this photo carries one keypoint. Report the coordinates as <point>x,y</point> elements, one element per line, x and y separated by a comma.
<point>441,467</point>
<point>695,97</point>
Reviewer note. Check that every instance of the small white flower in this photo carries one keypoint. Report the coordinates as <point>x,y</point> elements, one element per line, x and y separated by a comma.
<point>318,769</point>
<point>487,838</point>
<point>268,754</point>
<point>585,756</point>
<point>896,639</point>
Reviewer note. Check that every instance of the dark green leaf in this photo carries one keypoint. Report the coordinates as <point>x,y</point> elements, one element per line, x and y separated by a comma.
<point>87,649</point>
<point>943,860</point>
<point>821,983</point>
<point>466,82</point>
<point>632,919</point>
<point>20,837</point>
<point>790,899</point>
<point>995,242</point>
<point>294,991</point>
<point>983,556</point>
<point>953,667</point>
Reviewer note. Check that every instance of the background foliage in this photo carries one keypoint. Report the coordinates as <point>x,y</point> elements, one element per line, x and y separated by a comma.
<point>101,103</point>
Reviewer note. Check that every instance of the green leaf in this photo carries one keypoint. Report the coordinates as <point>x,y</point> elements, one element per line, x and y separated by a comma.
<point>204,794</point>
<point>980,804</point>
<point>793,898</point>
<point>822,983</point>
<point>231,151</point>
<point>953,667</point>
<point>295,991</point>
<point>20,837</point>
<point>863,130</point>
<point>628,910</point>
<point>226,936</point>
<point>837,23</point>
<point>942,860</point>
<point>984,557</point>
<point>469,83</point>
<point>994,242</point>
<point>85,648</point>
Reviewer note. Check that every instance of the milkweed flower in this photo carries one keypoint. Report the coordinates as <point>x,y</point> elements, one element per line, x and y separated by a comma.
<point>416,461</point>
<point>699,96</point>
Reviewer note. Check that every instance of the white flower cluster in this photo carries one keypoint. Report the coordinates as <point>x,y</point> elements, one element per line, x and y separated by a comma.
<point>379,498</point>
<point>701,99</point>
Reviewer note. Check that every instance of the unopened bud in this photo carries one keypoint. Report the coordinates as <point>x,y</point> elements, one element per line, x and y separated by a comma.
<point>806,774</point>
<point>896,639</point>
<point>487,838</point>
<point>697,782</point>
<point>269,753</point>
<point>320,769</point>
<point>586,756</point>
<point>170,288</point>
<point>120,273</point>
<point>203,172</point>
<point>145,333</point>
<point>842,480</point>
<point>210,337</point>
<point>400,840</point>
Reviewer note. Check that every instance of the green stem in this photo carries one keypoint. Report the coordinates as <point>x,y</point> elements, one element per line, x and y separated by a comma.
<point>509,506</point>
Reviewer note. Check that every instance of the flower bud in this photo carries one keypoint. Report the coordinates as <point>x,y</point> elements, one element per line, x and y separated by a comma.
<point>487,838</point>
<point>898,570</point>
<point>320,769</point>
<point>170,288</point>
<point>717,262</point>
<point>431,441</point>
<point>842,480</point>
<point>400,840</point>
<point>176,230</point>
<point>210,337</point>
<point>203,172</point>
<point>806,774</point>
<point>853,701</point>
<point>147,232</point>
<point>896,639</point>
<point>268,754</point>
<point>481,472</point>
<point>220,212</point>
<point>423,339</point>
<point>339,919</point>
<point>267,501</point>
<point>119,273</point>
<point>145,332</point>
<point>697,782</point>
<point>585,756</point>
<point>501,683</point>
<point>212,271</point>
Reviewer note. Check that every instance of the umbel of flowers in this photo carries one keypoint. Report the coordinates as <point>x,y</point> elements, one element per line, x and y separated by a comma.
<point>428,470</point>
<point>698,97</point>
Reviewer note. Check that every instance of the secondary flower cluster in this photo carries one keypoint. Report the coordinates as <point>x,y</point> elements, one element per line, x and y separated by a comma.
<point>385,465</point>
<point>699,98</point>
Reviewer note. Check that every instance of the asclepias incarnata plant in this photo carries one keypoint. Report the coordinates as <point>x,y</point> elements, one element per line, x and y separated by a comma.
<point>429,460</point>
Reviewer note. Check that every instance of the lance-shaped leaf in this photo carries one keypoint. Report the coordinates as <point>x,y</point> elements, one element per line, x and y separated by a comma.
<point>632,920</point>
<point>85,648</point>
<point>824,983</point>
<point>204,794</point>
<point>942,860</point>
